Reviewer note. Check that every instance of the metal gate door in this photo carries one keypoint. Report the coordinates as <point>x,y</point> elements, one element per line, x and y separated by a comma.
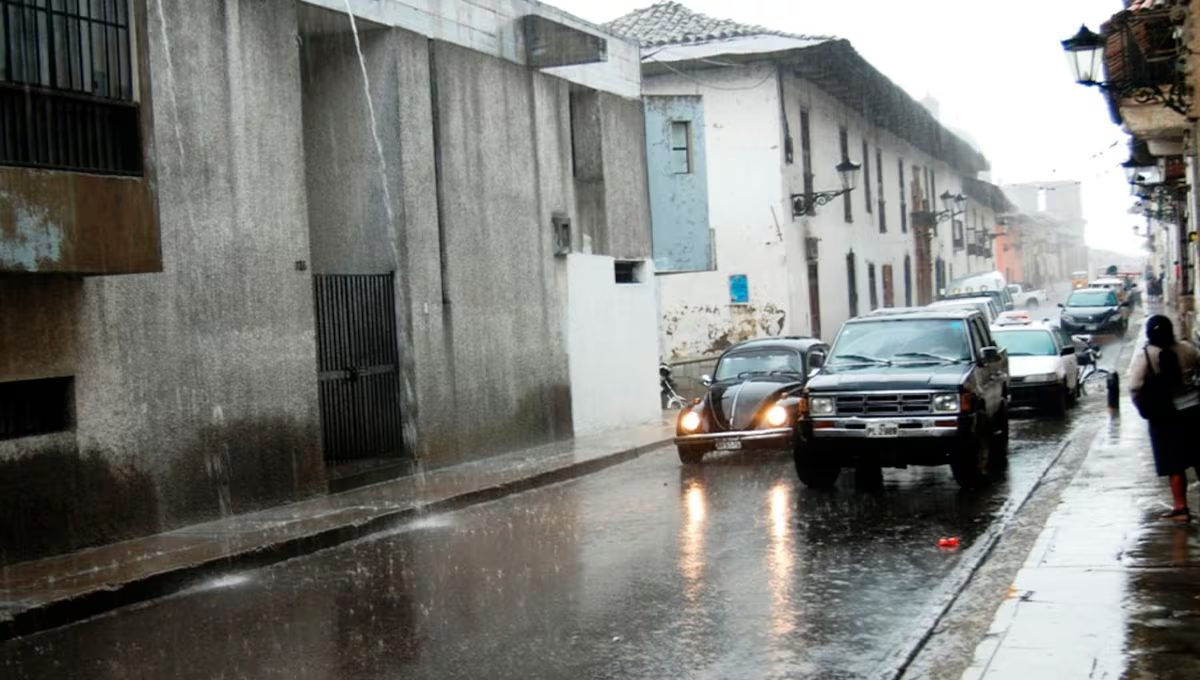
<point>358,366</point>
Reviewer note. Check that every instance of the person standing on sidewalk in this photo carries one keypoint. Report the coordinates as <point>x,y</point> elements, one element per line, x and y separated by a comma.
<point>1162,384</point>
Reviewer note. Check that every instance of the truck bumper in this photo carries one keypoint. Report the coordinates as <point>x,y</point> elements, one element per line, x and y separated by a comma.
<point>915,441</point>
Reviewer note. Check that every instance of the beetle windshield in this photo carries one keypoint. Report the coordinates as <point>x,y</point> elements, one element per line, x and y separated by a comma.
<point>902,339</point>
<point>1026,343</point>
<point>759,361</point>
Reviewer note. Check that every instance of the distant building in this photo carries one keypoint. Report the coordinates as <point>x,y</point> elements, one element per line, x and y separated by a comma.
<point>230,278</point>
<point>739,120</point>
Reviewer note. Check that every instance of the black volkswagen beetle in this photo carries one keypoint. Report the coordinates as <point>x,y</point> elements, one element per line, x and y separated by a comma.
<point>752,398</point>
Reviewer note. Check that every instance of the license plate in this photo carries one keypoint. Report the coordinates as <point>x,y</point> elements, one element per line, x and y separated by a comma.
<point>729,444</point>
<point>885,429</point>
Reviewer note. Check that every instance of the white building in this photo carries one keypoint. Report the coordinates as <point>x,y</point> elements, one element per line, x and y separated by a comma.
<point>739,120</point>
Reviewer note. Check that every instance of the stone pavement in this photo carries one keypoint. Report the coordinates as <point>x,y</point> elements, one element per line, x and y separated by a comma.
<point>42,594</point>
<point>1108,590</point>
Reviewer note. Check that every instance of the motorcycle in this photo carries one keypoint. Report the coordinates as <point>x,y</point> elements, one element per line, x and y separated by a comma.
<point>671,398</point>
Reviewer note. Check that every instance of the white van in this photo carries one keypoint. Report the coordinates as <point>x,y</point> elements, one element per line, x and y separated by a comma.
<point>981,282</point>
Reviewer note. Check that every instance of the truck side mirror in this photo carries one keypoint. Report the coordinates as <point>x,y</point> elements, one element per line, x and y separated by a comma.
<point>706,380</point>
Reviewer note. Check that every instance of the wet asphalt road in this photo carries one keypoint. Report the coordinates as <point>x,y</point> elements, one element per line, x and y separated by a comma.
<point>650,569</point>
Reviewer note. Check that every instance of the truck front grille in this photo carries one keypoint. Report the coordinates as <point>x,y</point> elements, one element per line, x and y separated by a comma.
<point>883,404</point>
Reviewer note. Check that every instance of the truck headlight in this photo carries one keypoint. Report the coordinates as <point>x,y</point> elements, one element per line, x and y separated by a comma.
<point>776,416</point>
<point>821,406</point>
<point>1042,378</point>
<point>946,403</point>
<point>690,421</point>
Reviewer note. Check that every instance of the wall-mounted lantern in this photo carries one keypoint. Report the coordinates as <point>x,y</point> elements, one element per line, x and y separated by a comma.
<point>1085,56</point>
<point>847,171</point>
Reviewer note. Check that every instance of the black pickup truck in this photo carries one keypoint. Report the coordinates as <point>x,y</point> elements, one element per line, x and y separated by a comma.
<point>922,388</point>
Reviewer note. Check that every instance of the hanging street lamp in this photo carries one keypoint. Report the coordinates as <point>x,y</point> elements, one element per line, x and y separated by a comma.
<point>847,172</point>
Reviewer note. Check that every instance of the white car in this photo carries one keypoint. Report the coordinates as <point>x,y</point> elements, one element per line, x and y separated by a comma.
<point>986,305</point>
<point>1042,368</point>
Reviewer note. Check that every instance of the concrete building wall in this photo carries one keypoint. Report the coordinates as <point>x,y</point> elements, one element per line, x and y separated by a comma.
<point>612,345</point>
<point>195,389</point>
<point>493,28</point>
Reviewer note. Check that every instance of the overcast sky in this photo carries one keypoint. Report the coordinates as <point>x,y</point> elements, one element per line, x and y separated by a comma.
<point>996,68</point>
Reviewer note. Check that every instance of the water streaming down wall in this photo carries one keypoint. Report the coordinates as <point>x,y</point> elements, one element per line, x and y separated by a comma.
<point>195,389</point>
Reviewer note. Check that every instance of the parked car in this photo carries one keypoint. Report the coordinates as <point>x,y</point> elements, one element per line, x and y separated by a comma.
<point>1026,296</point>
<point>1117,285</point>
<point>988,305</point>
<point>892,311</point>
<point>1002,298</point>
<point>1093,310</point>
<point>1042,366</point>
<point>927,388</point>
<point>752,398</point>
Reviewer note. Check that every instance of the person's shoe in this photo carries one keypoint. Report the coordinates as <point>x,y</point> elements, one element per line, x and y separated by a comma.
<point>1177,515</point>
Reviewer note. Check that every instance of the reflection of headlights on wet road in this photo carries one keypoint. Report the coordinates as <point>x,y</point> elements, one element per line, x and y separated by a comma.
<point>946,403</point>
<point>690,421</point>
<point>821,406</point>
<point>776,416</point>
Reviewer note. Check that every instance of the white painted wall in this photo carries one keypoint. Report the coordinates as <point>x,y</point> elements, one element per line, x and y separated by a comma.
<point>749,186</point>
<point>742,140</point>
<point>612,346</point>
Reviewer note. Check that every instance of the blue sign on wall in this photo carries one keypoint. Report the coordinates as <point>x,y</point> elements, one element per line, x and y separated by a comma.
<point>739,289</point>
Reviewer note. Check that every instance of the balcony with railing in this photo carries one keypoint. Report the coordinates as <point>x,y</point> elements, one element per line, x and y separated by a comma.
<point>1145,79</point>
<point>77,199</point>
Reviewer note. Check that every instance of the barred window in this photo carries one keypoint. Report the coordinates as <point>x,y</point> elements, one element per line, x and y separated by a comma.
<point>67,86</point>
<point>75,45</point>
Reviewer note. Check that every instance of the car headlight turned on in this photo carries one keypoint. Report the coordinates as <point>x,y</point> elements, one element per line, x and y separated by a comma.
<point>1042,378</point>
<point>776,416</point>
<point>820,406</point>
<point>690,421</point>
<point>947,403</point>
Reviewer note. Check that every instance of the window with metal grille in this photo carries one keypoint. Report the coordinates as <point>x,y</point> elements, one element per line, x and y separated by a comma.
<point>903,199</point>
<point>866,168</point>
<point>31,407</point>
<point>806,158</point>
<point>872,288</point>
<point>879,177</point>
<point>844,142</point>
<point>67,86</point>
<point>681,147</point>
<point>852,283</point>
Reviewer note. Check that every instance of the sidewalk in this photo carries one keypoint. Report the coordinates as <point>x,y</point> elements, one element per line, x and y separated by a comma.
<point>46,593</point>
<point>1108,590</point>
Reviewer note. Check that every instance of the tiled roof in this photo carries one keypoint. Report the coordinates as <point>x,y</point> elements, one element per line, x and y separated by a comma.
<point>670,23</point>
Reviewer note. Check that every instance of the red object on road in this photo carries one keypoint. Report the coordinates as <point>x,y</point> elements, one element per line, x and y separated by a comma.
<point>951,542</point>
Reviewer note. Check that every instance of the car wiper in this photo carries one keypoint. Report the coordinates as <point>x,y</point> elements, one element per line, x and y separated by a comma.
<point>862,358</point>
<point>927,355</point>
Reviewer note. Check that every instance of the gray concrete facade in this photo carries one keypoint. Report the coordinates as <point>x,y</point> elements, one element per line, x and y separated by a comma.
<point>196,392</point>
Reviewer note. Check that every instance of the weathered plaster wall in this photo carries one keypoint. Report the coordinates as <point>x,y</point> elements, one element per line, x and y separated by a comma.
<point>742,138</point>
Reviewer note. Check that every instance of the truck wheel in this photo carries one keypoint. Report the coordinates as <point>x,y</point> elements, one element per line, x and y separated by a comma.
<point>1031,304</point>
<point>998,455</point>
<point>971,462</point>
<point>690,456</point>
<point>813,471</point>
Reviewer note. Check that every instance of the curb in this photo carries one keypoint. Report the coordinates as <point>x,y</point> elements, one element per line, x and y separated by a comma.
<point>152,586</point>
<point>903,656</point>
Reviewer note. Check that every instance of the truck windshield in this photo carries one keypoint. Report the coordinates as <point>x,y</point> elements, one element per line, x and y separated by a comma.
<point>902,340</point>
<point>1026,343</point>
<point>758,361</point>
